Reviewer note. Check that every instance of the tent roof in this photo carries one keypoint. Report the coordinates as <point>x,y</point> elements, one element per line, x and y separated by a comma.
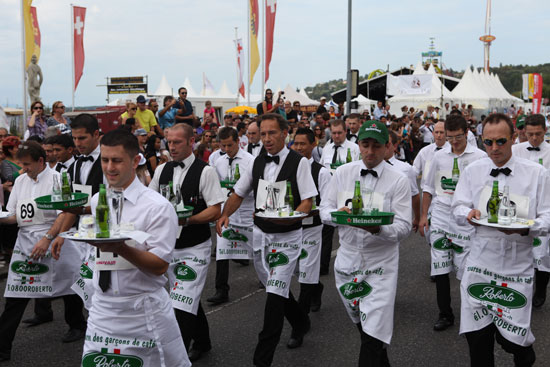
<point>190,91</point>
<point>225,92</point>
<point>291,95</point>
<point>419,69</point>
<point>164,89</point>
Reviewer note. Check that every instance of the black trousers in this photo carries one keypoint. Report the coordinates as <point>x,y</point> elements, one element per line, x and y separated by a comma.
<point>276,309</point>
<point>541,282</point>
<point>194,328</point>
<point>307,293</point>
<point>43,308</point>
<point>373,353</point>
<point>222,275</point>
<point>443,292</point>
<point>482,342</point>
<point>15,308</point>
<point>326,247</point>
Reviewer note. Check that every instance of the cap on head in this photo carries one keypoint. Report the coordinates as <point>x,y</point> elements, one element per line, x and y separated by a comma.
<point>373,130</point>
<point>323,98</point>
<point>140,132</point>
<point>141,99</point>
<point>520,122</point>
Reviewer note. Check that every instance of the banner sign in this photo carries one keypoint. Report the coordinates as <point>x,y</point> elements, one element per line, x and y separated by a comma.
<point>408,84</point>
<point>127,80</point>
<point>127,89</point>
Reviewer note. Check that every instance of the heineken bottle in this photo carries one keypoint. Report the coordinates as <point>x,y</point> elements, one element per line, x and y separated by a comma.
<point>65,188</point>
<point>348,156</point>
<point>172,198</point>
<point>237,173</point>
<point>493,204</point>
<point>102,214</point>
<point>456,171</point>
<point>540,161</point>
<point>289,199</point>
<point>357,200</point>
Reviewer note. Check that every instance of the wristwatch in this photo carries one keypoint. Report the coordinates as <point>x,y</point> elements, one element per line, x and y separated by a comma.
<point>49,237</point>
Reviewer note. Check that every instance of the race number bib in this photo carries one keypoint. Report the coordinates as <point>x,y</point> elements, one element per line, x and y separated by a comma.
<point>28,214</point>
<point>371,199</point>
<point>112,261</point>
<point>85,189</point>
<point>522,202</point>
<point>270,193</point>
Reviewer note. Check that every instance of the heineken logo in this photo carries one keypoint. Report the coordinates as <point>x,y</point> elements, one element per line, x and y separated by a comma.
<point>446,244</point>
<point>536,242</point>
<point>303,254</point>
<point>28,268</point>
<point>275,259</point>
<point>499,294</point>
<point>354,290</point>
<point>185,273</point>
<point>447,184</point>
<point>232,235</point>
<point>103,359</point>
<point>86,272</point>
<point>354,220</point>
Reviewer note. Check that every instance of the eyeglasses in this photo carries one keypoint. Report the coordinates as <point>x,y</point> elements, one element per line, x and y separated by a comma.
<point>500,142</point>
<point>63,107</point>
<point>38,108</point>
<point>456,137</point>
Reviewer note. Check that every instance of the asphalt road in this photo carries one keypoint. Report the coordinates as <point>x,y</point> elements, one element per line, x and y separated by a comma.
<point>332,341</point>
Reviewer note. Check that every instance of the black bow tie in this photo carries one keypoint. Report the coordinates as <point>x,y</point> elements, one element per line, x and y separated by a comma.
<point>353,135</point>
<point>390,163</point>
<point>274,159</point>
<point>254,145</point>
<point>61,165</point>
<point>496,171</point>
<point>84,159</point>
<point>438,148</point>
<point>365,172</point>
<point>181,164</point>
<point>533,148</point>
<point>222,153</point>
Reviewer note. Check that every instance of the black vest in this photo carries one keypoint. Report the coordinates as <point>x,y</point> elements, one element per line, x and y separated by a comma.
<point>193,234</point>
<point>94,179</point>
<point>287,173</point>
<point>315,169</point>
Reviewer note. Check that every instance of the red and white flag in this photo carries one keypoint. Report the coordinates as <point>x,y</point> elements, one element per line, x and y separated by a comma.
<point>240,58</point>
<point>79,14</point>
<point>270,10</point>
<point>537,92</point>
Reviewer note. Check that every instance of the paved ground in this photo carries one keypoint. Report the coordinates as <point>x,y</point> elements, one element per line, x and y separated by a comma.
<point>333,340</point>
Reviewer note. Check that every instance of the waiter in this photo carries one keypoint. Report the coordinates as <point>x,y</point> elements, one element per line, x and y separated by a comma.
<point>236,241</point>
<point>32,272</point>
<point>276,241</point>
<point>367,260</point>
<point>200,188</point>
<point>450,242</point>
<point>534,150</point>
<point>353,123</point>
<point>310,258</point>
<point>130,305</point>
<point>63,149</point>
<point>254,146</point>
<point>497,285</point>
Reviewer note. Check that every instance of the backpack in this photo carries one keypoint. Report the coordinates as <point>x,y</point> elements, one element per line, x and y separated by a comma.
<point>260,109</point>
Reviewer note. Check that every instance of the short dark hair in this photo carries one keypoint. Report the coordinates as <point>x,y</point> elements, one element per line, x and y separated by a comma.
<point>130,121</point>
<point>240,126</point>
<point>283,124</point>
<point>180,88</point>
<point>31,149</point>
<point>495,118</point>
<point>354,116</point>
<point>35,138</point>
<point>86,121</point>
<point>535,120</point>
<point>325,116</point>
<point>49,140</point>
<point>307,132</point>
<point>455,112</point>
<point>228,132</point>
<point>335,123</point>
<point>64,140</point>
<point>167,98</point>
<point>121,137</point>
<point>456,122</point>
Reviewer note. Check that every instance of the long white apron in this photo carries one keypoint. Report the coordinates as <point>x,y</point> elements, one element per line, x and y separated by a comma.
<point>541,253</point>
<point>187,275</point>
<point>367,282</point>
<point>84,285</point>
<point>235,243</point>
<point>136,331</point>
<point>309,262</point>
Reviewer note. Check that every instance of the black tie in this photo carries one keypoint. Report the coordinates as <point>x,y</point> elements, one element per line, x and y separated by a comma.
<point>222,153</point>
<point>390,163</point>
<point>274,159</point>
<point>251,147</point>
<point>59,167</point>
<point>84,159</point>
<point>352,136</point>
<point>231,161</point>
<point>175,164</point>
<point>104,278</point>
<point>533,148</point>
<point>438,148</point>
<point>496,171</point>
<point>335,155</point>
<point>365,172</point>
<point>79,165</point>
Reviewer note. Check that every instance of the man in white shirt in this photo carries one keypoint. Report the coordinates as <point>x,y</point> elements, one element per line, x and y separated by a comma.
<point>279,244</point>
<point>423,159</point>
<point>449,242</point>
<point>427,131</point>
<point>254,146</point>
<point>367,261</point>
<point>497,284</point>
<point>353,123</point>
<point>63,149</point>
<point>130,303</point>
<point>379,111</point>
<point>535,150</point>
<point>336,151</point>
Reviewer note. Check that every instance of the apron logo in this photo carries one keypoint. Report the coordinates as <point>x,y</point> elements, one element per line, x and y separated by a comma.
<point>185,273</point>
<point>499,294</point>
<point>232,235</point>
<point>97,359</point>
<point>276,259</point>
<point>303,254</point>
<point>536,242</point>
<point>354,290</point>
<point>86,272</point>
<point>28,268</point>
<point>445,244</point>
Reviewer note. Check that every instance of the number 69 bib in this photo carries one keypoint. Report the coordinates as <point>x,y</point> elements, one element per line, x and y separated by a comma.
<point>28,214</point>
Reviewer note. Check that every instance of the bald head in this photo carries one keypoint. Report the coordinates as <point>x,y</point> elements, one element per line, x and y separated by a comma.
<point>253,133</point>
<point>439,133</point>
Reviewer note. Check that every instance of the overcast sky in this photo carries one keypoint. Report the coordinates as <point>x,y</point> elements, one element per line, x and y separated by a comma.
<point>184,38</point>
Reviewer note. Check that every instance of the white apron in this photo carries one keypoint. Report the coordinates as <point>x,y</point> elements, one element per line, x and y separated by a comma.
<point>84,285</point>
<point>187,276</point>
<point>309,262</point>
<point>235,243</point>
<point>497,287</point>
<point>279,255</point>
<point>367,283</point>
<point>136,331</point>
<point>541,253</point>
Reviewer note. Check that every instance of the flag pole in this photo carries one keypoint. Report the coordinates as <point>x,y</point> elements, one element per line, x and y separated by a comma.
<point>23,65</point>
<point>248,61</point>
<point>72,51</point>
<point>238,70</point>
<point>263,50</point>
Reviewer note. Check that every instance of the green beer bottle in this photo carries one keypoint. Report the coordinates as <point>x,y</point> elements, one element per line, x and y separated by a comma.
<point>540,161</point>
<point>492,205</point>
<point>289,199</point>
<point>102,214</point>
<point>65,188</point>
<point>237,173</point>
<point>456,171</point>
<point>348,156</point>
<point>357,200</point>
<point>172,196</point>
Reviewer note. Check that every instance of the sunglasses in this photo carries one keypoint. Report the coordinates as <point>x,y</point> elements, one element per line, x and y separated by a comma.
<point>183,93</point>
<point>63,107</point>
<point>38,108</point>
<point>500,142</point>
<point>133,109</point>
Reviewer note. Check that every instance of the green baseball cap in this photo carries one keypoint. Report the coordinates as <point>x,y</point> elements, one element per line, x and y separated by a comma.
<point>520,122</point>
<point>374,130</point>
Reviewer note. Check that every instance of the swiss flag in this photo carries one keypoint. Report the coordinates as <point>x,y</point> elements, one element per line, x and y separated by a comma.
<point>79,14</point>
<point>239,44</point>
<point>270,10</point>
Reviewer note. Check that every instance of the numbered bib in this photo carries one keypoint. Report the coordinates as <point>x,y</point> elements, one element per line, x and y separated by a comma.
<point>28,214</point>
<point>112,261</point>
<point>85,189</point>
<point>522,202</point>
<point>270,194</point>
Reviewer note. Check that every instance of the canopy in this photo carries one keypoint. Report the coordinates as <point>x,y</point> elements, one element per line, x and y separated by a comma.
<point>293,96</point>
<point>240,110</point>
<point>164,89</point>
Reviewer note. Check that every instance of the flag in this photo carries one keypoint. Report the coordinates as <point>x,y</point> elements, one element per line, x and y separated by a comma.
<point>253,36</point>
<point>270,10</point>
<point>79,15</point>
<point>32,32</point>
<point>525,87</point>
<point>537,92</point>
<point>206,85</point>
<point>239,45</point>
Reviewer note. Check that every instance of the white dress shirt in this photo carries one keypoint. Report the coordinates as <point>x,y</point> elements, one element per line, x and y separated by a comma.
<point>427,133</point>
<point>520,150</point>
<point>325,178</point>
<point>423,160</point>
<point>214,156</point>
<point>471,138</point>
<point>256,150</point>
<point>87,166</point>
<point>328,152</point>
<point>65,164</point>
<point>408,171</point>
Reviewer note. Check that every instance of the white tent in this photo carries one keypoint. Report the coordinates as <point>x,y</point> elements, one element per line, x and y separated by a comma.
<point>225,92</point>
<point>164,89</point>
<point>469,91</point>
<point>363,102</point>
<point>190,91</point>
<point>292,96</point>
<point>419,69</point>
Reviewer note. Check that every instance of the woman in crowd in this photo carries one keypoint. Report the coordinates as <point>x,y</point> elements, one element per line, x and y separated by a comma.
<point>131,109</point>
<point>57,119</point>
<point>37,122</point>
<point>10,169</point>
<point>267,104</point>
<point>319,136</point>
<point>152,153</point>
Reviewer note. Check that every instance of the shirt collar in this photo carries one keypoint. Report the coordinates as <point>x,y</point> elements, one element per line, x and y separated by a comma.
<point>282,154</point>
<point>40,176</point>
<point>132,192</point>
<point>510,164</point>
<point>95,153</point>
<point>68,162</point>
<point>379,169</point>
<point>189,160</point>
